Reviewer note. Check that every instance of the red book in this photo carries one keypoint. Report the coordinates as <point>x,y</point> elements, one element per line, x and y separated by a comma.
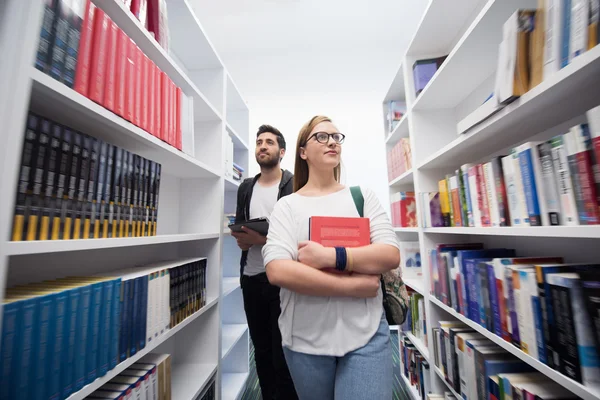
<point>99,56</point>
<point>172,106</point>
<point>178,141</point>
<point>84,53</point>
<point>482,197</point>
<point>130,81</point>
<point>407,210</point>
<point>588,187</point>
<point>340,231</point>
<point>157,102</point>
<point>164,107</point>
<point>145,89</point>
<point>111,67</point>
<point>121,72</point>
<point>139,8</point>
<point>151,97</point>
<point>137,106</point>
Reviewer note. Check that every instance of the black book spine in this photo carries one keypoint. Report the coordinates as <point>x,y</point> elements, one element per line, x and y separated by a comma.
<point>51,184</point>
<point>62,177</point>
<point>64,180</point>
<point>487,318</point>
<point>74,176</point>
<point>59,40</point>
<point>43,144</point>
<point>135,194</point>
<point>105,213</point>
<point>148,196</point>
<point>591,296</point>
<point>129,204</point>
<point>567,341</point>
<point>75,18</point>
<point>124,207</point>
<point>140,199</point>
<point>115,199</point>
<point>156,193</point>
<point>88,216</point>
<point>43,55</point>
<point>97,204</point>
<point>82,187</point>
<point>24,186</point>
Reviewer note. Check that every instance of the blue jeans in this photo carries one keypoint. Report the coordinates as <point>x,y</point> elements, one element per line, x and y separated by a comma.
<point>362,374</point>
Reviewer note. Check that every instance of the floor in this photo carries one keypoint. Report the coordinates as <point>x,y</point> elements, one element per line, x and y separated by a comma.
<point>252,391</point>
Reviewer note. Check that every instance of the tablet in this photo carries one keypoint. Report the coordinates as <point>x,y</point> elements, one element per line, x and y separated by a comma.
<point>260,225</point>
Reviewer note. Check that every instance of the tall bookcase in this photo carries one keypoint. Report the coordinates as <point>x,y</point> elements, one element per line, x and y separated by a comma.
<point>469,32</point>
<point>212,342</point>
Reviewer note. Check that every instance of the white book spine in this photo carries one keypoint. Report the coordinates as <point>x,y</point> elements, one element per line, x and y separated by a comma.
<point>547,177</point>
<point>166,301</point>
<point>520,190</point>
<point>564,183</point>
<point>511,194</point>
<point>579,28</point>
<point>473,189</point>
<point>553,36</point>
<point>149,309</point>
<point>490,192</point>
<point>157,304</point>
<point>528,288</point>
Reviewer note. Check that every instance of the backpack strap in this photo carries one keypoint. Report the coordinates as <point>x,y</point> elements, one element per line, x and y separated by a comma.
<point>359,200</point>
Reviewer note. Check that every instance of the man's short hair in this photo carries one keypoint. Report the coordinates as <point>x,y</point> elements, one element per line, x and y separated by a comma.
<point>274,131</point>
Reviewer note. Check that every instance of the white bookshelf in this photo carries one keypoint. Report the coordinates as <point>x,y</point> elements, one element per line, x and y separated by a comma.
<point>194,194</point>
<point>468,32</point>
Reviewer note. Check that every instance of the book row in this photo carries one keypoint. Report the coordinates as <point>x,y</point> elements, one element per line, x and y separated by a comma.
<point>424,70</point>
<point>60,335</point>
<point>74,186</point>
<point>238,172</point>
<point>554,182</point>
<point>395,111</point>
<point>83,48</point>
<point>404,209</point>
<point>478,369</point>
<point>541,305</point>
<point>148,379</point>
<point>535,45</point>
<point>399,159</point>
<point>415,322</point>
<point>152,14</point>
<point>415,368</point>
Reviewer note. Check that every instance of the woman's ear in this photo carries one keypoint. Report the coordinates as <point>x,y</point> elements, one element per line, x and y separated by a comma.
<point>303,153</point>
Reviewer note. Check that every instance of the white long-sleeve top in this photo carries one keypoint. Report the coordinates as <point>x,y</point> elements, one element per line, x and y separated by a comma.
<point>321,325</point>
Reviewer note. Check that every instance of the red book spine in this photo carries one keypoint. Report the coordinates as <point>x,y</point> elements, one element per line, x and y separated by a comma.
<point>137,106</point>
<point>99,56</point>
<point>145,92</point>
<point>130,81</point>
<point>164,106</point>
<point>84,54</point>
<point>157,102</point>
<point>482,197</point>
<point>408,216</point>
<point>588,187</point>
<point>178,141</point>
<point>121,73</point>
<point>151,97</point>
<point>111,67</point>
<point>171,113</point>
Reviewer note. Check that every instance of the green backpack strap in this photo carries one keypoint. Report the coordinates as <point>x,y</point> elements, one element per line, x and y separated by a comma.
<point>359,200</point>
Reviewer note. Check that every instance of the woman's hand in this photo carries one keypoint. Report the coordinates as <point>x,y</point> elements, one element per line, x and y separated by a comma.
<point>315,255</point>
<point>362,286</point>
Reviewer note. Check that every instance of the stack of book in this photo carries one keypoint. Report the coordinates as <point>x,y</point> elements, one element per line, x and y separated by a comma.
<point>404,209</point>
<point>539,304</point>
<point>60,335</point>
<point>83,48</point>
<point>554,182</point>
<point>395,111</point>
<point>536,44</point>
<point>414,368</point>
<point>150,378</point>
<point>478,369</point>
<point>415,319</point>
<point>74,186</point>
<point>399,159</point>
<point>237,172</point>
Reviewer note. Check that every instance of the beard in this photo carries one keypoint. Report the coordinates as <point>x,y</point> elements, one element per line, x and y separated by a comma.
<point>269,161</point>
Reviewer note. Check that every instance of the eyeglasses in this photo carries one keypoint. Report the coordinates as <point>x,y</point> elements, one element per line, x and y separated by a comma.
<point>323,137</point>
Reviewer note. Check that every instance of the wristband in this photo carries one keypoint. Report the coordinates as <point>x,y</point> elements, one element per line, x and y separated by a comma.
<point>340,258</point>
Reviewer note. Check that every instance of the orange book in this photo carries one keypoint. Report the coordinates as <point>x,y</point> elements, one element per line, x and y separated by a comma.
<point>340,231</point>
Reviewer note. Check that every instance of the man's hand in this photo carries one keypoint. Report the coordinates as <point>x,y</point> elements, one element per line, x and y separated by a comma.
<point>315,255</point>
<point>248,238</point>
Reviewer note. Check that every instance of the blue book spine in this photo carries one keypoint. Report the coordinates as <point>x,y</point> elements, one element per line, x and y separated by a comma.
<point>70,342</point>
<point>93,341</point>
<point>481,293</point>
<point>494,300</point>
<point>43,345</point>
<point>471,266</point>
<point>531,196</point>
<point>27,332</point>
<point>124,335</point>
<point>115,324</point>
<point>143,312</point>
<point>471,221</point>
<point>60,31</point>
<point>134,331</point>
<point>83,322</point>
<point>465,285</point>
<point>45,44</point>
<point>566,33</point>
<point>11,320</point>
<point>58,349</point>
<point>104,337</point>
<point>539,328</point>
<point>514,321</point>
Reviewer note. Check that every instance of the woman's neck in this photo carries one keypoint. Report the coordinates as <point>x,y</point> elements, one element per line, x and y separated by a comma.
<point>321,182</point>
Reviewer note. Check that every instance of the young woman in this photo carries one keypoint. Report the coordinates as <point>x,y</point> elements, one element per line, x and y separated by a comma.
<point>334,332</point>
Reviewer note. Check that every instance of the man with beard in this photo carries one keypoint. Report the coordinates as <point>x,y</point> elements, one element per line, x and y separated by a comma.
<point>256,198</point>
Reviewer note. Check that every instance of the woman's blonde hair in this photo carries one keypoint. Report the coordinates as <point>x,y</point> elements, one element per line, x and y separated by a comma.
<point>301,166</point>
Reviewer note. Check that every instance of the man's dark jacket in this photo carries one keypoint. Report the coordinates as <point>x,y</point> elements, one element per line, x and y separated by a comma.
<point>244,195</point>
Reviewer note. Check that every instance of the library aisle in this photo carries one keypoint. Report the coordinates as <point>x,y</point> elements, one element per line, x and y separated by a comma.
<point>493,146</point>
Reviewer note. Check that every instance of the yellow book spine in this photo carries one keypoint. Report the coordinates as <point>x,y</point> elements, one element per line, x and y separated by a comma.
<point>18,225</point>
<point>32,227</point>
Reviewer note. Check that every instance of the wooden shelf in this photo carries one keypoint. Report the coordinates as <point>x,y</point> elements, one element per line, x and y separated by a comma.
<point>90,388</point>
<point>587,393</point>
